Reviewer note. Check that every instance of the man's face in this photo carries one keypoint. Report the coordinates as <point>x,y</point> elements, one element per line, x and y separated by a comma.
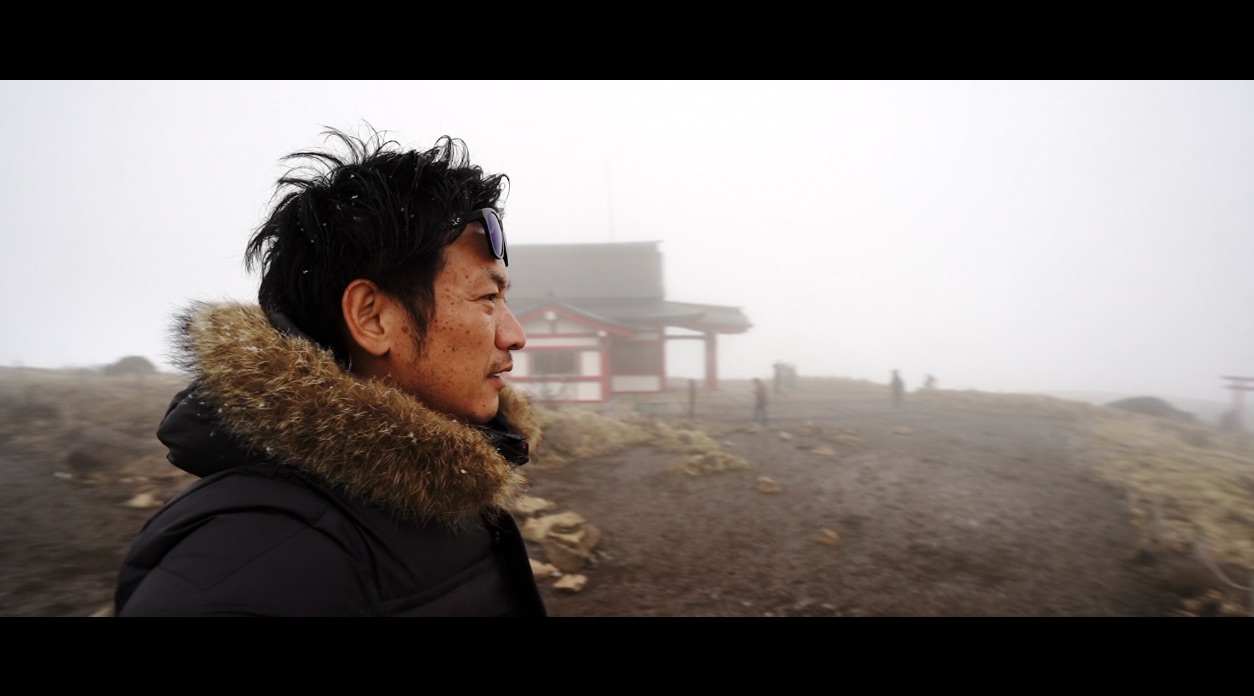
<point>457,370</point>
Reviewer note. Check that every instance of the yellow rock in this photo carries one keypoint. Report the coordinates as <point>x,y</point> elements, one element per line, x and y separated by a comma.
<point>106,611</point>
<point>540,569</point>
<point>535,529</point>
<point>565,522</point>
<point>829,537</point>
<point>530,505</point>
<point>571,583</point>
<point>568,559</point>
<point>143,500</point>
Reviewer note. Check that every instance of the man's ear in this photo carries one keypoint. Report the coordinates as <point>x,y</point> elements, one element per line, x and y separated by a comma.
<point>366,309</point>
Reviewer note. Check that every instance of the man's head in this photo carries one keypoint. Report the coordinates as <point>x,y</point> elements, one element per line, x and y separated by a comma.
<point>384,256</point>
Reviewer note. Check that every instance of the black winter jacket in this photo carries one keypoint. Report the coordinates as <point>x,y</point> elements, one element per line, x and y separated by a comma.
<point>322,494</point>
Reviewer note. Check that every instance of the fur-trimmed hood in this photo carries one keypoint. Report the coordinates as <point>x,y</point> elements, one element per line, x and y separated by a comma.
<point>283,398</point>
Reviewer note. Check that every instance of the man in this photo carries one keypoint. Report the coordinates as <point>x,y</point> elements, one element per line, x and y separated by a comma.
<point>357,444</point>
<point>759,401</point>
<point>898,388</point>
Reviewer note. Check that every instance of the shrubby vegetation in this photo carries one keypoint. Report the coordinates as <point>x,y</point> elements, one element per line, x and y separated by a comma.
<point>130,365</point>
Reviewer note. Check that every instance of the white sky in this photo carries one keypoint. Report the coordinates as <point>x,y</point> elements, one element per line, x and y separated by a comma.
<point>1003,236</point>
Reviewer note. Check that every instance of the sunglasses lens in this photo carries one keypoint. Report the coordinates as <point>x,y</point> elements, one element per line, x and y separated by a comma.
<point>496,235</point>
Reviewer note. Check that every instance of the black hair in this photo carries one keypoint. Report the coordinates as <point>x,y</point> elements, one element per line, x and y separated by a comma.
<point>377,212</point>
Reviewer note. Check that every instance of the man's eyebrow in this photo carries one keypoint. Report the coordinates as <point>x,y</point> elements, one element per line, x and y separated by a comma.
<point>499,278</point>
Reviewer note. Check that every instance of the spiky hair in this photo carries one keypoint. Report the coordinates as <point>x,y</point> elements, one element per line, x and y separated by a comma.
<point>375,211</point>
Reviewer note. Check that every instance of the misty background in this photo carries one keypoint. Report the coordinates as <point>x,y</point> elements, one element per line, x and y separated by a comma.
<point>1029,236</point>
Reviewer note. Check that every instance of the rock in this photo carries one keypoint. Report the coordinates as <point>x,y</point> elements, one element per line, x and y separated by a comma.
<point>709,462</point>
<point>143,501</point>
<point>540,569</point>
<point>902,429</point>
<point>567,559</point>
<point>565,522</point>
<point>571,583</point>
<point>104,611</point>
<point>848,436</point>
<point>767,485</point>
<point>566,539</point>
<point>571,551</point>
<point>535,529</point>
<point>829,537</point>
<point>529,505</point>
<point>588,537</point>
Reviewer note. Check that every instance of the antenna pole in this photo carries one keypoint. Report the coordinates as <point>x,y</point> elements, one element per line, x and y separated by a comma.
<point>609,199</point>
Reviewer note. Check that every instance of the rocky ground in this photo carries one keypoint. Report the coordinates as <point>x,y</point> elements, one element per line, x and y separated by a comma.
<point>851,508</point>
<point>841,505</point>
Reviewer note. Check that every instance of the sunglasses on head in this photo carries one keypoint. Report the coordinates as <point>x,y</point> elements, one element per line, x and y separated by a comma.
<point>493,230</point>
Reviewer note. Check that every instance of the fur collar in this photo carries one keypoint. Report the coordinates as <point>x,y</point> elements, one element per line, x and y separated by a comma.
<point>285,396</point>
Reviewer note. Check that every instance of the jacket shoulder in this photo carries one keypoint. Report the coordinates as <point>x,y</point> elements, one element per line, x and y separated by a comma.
<point>249,541</point>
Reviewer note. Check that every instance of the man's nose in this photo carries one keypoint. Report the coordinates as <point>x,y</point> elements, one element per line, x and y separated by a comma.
<point>509,333</point>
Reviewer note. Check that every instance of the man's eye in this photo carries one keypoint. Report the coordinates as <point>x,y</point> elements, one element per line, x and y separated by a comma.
<point>490,297</point>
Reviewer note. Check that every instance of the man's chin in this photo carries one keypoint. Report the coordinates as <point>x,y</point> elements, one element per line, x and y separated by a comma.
<point>487,412</point>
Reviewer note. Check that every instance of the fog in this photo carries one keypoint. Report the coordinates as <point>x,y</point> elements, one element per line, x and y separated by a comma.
<point>1002,236</point>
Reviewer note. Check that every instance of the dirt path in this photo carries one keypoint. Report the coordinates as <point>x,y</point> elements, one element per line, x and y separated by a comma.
<point>938,512</point>
<point>62,541</point>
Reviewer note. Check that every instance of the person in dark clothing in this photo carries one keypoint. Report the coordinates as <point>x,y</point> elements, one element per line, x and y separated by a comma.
<point>759,401</point>
<point>356,443</point>
<point>899,389</point>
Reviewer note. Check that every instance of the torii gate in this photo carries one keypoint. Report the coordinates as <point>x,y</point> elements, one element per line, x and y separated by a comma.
<point>1239,386</point>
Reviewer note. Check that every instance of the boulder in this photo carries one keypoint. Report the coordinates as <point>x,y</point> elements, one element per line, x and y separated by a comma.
<point>567,540</point>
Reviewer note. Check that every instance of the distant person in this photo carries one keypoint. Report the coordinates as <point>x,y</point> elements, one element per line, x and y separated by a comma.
<point>779,377</point>
<point>899,389</point>
<point>356,443</point>
<point>759,401</point>
<point>929,382</point>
